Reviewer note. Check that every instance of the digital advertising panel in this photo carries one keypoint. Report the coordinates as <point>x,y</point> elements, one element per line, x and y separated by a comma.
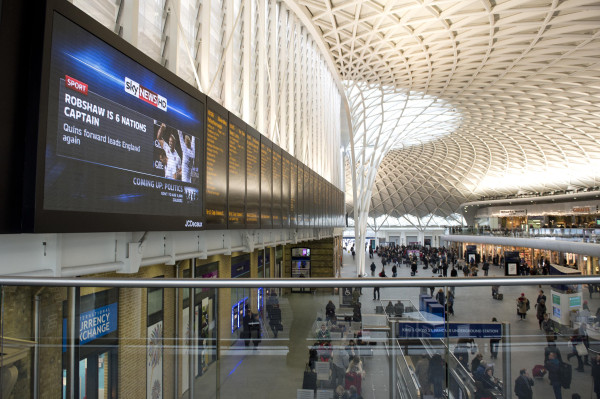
<point>122,147</point>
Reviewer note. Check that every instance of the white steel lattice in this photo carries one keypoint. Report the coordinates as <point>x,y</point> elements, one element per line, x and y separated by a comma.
<point>253,56</point>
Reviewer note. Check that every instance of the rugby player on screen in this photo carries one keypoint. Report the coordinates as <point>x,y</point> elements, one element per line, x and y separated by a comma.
<point>188,147</point>
<point>173,166</point>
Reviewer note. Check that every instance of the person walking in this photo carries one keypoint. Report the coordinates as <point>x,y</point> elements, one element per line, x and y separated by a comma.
<point>553,367</point>
<point>523,385</point>
<point>329,311</point>
<point>373,267</point>
<point>540,311</point>
<point>275,320</point>
<point>437,375</point>
<point>494,343</point>
<point>441,297</point>
<point>596,375</point>
<point>522,306</point>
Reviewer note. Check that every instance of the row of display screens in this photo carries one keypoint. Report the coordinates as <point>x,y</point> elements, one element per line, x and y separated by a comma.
<point>129,146</point>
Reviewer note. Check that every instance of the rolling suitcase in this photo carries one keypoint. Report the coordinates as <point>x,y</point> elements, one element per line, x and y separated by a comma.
<point>500,297</point>
<point>538,371</point>
<point>353,379</point>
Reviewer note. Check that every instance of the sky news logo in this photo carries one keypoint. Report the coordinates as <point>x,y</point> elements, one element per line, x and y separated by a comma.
<point>137,90</point>
<point>76,85</point>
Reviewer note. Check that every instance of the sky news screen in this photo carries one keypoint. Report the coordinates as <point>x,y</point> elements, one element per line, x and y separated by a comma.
<point>120,139</point>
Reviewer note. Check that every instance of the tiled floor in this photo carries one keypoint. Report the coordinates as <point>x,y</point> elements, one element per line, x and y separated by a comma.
<point>275,369</point>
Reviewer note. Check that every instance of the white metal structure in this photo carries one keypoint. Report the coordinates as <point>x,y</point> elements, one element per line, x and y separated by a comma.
<point>254,57</point>
<point>516,83</point>
<point>521,75</point>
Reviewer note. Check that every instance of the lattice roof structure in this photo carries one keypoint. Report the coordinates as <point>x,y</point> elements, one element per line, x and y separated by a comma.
<point>519,79</point>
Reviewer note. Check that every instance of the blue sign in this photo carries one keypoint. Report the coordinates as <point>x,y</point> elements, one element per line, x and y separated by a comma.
<point>449,330</point>
<point>97,323</point>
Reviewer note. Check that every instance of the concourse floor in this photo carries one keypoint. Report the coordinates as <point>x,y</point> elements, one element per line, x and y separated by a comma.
<point>275,368</point>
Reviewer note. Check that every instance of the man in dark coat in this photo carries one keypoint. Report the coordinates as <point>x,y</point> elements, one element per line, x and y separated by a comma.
<point>553,367</point>
<point>275,320</point>
<point>596,375</point>
<point>523,385</point>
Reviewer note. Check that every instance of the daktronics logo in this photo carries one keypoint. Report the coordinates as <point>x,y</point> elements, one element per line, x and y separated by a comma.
<point>76,85</point>
<point>191,223</point>
<point>137,90</point>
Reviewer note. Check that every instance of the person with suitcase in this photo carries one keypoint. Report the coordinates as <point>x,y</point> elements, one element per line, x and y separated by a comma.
<point>554,374</point>
<point>355,374</point>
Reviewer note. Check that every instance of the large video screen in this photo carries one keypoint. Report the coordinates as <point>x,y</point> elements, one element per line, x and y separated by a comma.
<point>120,140</point>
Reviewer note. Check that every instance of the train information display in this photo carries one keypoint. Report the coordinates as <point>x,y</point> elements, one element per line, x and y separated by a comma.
<point>286,165</point>
<point>216,165</point>
<point>293,191</point>
<point>119,140</point>
<point>266,182</point>
<point>300,196</point>
<point>252,178</point>
<point>276,208</point>
<point>237,173</point>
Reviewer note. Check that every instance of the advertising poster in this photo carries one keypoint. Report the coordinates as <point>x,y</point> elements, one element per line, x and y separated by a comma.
<point>154,363</point>
<point>185,353</point>
<point>512,269</point>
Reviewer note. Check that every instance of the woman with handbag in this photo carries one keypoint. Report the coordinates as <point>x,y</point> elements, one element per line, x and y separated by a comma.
<point>578,343</point>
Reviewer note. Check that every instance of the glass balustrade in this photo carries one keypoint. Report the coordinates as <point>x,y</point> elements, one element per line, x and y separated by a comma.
<point>304,338</point>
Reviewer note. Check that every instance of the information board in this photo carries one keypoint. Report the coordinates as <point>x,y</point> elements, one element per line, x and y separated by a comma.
<point>215,199</point>
<point>252,178</point>
<point>236,198</point>
<point>120,141</point>
<point>286,165</point>
<point>308,197</point>
<point>276,207</point>
<point>266,182</point>
<point>300,195</point>
<point>293,191</point>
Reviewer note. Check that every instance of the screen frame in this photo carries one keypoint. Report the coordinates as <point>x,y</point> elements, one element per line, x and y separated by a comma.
<point>39,220</point>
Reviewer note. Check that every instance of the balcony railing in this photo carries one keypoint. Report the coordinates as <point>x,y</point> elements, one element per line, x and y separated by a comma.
<point>568,234</point>
<point>257,338</point>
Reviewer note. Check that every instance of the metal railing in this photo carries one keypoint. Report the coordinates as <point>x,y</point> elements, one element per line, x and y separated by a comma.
<point>294,283</point>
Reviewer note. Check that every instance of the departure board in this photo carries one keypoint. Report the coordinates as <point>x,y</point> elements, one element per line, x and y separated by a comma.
<point>293,191</point>
<point>276,207</point>
<point>319,201</point>
<point>216,165</point>
<point>266,182</point>
<point>252,178</point>
<point>300,195</point>
<point>286,164</point>
<point>307,197</point>
<point>237,174</point>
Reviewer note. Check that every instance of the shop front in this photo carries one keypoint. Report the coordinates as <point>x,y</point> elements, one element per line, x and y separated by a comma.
<point>96,352</point>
